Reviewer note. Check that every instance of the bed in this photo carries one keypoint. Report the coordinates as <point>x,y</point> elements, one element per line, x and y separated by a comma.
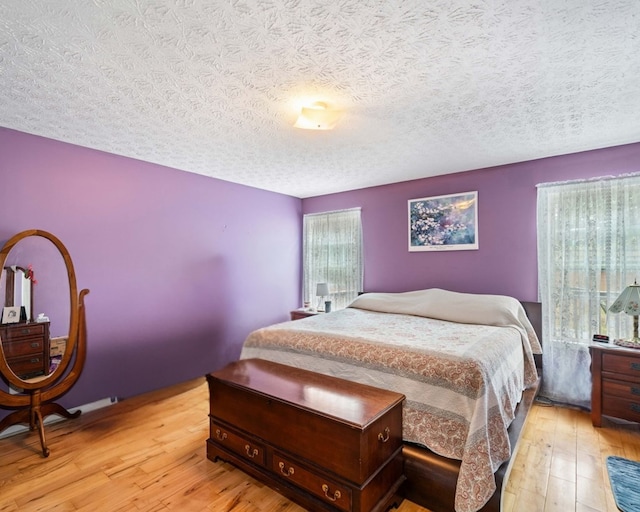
<point>465,362</point>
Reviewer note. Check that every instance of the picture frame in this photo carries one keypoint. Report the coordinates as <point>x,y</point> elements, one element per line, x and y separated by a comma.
<point>11,314</point>
<point>444,223</point>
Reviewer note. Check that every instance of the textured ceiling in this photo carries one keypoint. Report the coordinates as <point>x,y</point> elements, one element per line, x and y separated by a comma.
<point>427,87</point>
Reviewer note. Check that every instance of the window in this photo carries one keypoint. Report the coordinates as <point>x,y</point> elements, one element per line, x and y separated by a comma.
<point>588,252</point>
<point>332,254</point>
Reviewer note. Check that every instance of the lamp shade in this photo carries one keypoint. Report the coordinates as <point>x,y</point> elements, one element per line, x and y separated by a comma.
<point>629,301</point>
<point>322,290</point>
<point>317,117</point>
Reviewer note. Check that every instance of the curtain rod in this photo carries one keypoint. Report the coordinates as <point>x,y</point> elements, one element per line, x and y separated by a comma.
<point>588,180</point>
<point>334,211</point>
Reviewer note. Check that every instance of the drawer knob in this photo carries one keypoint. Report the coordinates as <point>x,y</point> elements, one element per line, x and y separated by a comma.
<point>635,407</point>
<point>384,438</point>
<point>336,495</point>
<point>288,472</point>
<point>35,360</point>
<point>635,391</point>
<point>251,453</point>
<point>35,344</point>
<point>635,366</point>
<point>221,435</point>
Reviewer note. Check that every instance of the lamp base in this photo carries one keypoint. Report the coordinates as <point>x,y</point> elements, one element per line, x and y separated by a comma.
<point>632,343</point>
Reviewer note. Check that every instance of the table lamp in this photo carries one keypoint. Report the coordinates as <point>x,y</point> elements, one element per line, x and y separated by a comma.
<point>322,290</point>
<point>629,302</point>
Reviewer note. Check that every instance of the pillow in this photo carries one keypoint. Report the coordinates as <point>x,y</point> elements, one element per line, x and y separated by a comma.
<point>465,308</point>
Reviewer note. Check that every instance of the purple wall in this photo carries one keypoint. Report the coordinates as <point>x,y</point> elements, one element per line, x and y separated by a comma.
<point>180,267</point>
<point>506,262</point>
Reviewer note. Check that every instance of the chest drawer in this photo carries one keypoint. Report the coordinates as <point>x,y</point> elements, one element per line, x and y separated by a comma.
<point>245,446</point>
<point>621,365</point>
<point>328,490</point>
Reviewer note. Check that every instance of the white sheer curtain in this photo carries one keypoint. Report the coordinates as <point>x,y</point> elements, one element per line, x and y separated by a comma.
<point>332,254</point>
<point>588,252</point>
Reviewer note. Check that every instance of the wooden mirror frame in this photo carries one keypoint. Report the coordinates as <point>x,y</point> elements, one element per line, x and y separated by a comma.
<point>37,399</point>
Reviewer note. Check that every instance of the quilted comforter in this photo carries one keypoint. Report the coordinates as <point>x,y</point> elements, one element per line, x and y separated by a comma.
<point>462,374</point>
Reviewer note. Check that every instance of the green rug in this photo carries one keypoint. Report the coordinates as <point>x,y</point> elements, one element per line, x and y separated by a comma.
<point>624,475</point>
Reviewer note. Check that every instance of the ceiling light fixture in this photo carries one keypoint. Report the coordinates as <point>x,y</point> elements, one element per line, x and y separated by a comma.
<point>318,117</point>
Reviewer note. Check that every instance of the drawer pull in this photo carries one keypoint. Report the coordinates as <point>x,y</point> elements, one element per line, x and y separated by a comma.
<point>251,453</point>
<point>221,435</point>
<point>35,360</point>
<point>635,407</point>
<point>635,366</point>
<point>288,472</point>
<point>635,391</point>
<point>35,344</point>
<point>25,331</point>
<point>384,438</point>
<point>336,495</point>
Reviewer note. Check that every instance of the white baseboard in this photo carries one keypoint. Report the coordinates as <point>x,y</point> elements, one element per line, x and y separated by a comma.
<point>98,404</point>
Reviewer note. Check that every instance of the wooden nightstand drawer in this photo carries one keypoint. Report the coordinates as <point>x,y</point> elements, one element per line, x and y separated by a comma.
<point>27,366</point>
<point>620,388</point>
<point>24,347</point>
<point>621,365</point>
<point>10,333</point>
<point>621,408</point>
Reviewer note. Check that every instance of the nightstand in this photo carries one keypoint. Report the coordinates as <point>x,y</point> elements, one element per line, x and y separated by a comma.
<point>26,348</point>
<point>297,314</point>
<point>615,387</point>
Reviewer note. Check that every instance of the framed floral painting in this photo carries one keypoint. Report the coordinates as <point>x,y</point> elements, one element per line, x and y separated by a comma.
<point>444,223</point>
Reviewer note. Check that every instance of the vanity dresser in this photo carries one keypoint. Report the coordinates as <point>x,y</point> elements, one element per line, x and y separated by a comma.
<point>26,347</point>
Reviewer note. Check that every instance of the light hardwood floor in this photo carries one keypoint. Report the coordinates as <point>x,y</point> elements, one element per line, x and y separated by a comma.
<point>147,453</point>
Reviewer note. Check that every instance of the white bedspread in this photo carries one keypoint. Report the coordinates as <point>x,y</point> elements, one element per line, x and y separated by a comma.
<point>462,380</point>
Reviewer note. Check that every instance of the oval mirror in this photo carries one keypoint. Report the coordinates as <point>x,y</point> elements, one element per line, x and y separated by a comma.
<point>36,288</point>
<point>37,275</point>
<point>39,308</point>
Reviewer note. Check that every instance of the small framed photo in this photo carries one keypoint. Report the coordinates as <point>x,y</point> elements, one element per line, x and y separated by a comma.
<point>11,315</point>
<point>444,223</point>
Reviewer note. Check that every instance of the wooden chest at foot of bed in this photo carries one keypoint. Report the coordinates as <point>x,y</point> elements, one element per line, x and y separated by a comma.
<point>325,443</point>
